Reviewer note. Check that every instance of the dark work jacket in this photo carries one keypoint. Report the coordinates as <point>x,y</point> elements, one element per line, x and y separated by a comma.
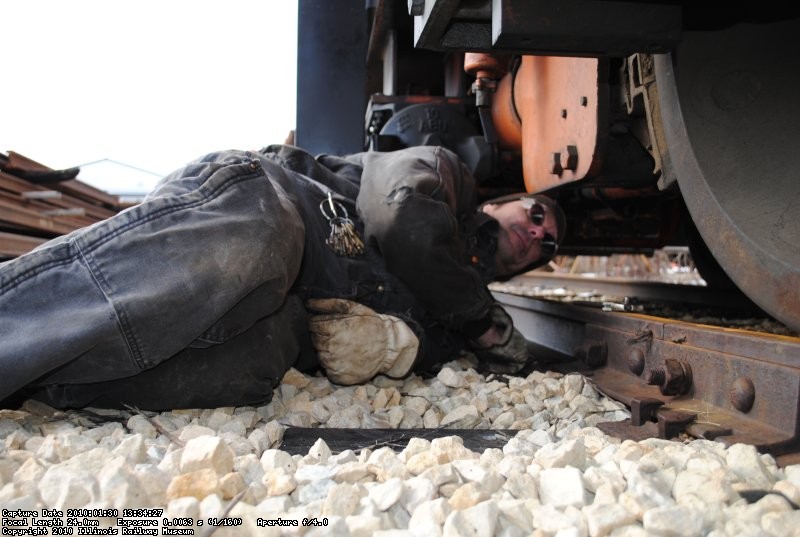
<point>194,298</point>
<point>429,254</point>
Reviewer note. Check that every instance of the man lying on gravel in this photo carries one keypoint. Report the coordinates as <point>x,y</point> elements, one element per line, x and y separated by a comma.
<point>243,264</point>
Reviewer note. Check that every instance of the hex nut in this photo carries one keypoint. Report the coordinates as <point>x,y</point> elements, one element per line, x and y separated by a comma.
<point>678,377</point>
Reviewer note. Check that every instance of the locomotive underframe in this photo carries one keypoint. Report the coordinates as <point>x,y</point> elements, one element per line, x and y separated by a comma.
<point>686,105</point>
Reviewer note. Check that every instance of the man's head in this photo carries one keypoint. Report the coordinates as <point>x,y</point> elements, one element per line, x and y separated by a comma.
<point>531,228</point>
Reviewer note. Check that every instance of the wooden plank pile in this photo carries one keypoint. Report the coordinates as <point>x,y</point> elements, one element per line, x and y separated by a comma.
<point>38,203</point>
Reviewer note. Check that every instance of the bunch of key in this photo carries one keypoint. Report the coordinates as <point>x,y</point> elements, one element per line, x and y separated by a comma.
<point>344,239</point>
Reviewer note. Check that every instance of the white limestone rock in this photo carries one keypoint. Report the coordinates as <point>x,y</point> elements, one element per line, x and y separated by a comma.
<point>342,499</point>
<point>745,461</point>
<point>352,472</point>
<point>431,418</point>
<point>207,452</point>
<point>273,459</point>
<point>450,448</point>
<point>27,477</point>
<point>120,487</point>
<point>153,481</point>
<point>183,507</point>
<point>602,519</point>
<point>565,453</point>
<point>607,474</point>
<point>433,512</point>
<point>711,489</point>
<point>451,378</point>
<point>295,378</point>
<point>468,495</point>
<point>388,493</point>
<point>673,520</point>
<point>781,523</point>
<point>385,464</point>
<point>274,432</point>
<point>561,487</point>
<point>73,483</point>
<point>788,489</point>
<point>313,491</point>
<point>139,424</point>
<point>308,473</point>
<point>417,491</point>
<point>198,484</point>
<point>131,448</point>
<point>521,486</point>
<point>515,513</point>
<point>62,447</point>
<point>319,453</point>
<point>363,526</point>
<point>472,470</point>
<point>419,462</point>
<point>279,482</point>
<point>479,521</point>
<point>193,430</point>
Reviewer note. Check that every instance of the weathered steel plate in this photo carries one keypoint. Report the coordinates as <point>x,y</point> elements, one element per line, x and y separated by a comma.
<point>745,386</point>
<point>298,440</point>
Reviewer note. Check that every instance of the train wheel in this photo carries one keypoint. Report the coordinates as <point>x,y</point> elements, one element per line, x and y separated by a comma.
<point>705,262</point>
<point>731,118</point>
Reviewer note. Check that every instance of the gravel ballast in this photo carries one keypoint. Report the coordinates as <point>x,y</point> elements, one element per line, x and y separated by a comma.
<point>222,470</point>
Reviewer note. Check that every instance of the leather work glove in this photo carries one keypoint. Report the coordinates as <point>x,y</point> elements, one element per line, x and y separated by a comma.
<point>355,343</point>
<point>508,352</point>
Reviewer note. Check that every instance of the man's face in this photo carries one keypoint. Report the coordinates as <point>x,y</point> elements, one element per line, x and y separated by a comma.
<point>519,242</point>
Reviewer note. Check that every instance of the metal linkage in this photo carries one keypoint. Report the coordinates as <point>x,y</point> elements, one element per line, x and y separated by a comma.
<point>730,385</point>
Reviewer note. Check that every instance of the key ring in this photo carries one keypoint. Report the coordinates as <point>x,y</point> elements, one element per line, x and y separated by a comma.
<point>344,239</point>
<point>333,205</point>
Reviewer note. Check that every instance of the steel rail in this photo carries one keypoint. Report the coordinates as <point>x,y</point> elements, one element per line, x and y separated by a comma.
<point>731,385</point>
<point>584,288</point>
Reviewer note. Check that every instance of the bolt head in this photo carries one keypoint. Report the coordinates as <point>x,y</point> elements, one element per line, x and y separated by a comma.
<point>742,394</point>
<point>636,361</point>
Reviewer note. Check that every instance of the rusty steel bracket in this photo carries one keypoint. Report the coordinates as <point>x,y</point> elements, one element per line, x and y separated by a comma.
<point>644,410</point>
<point>729,385</point>
<point>673,422</point>
<point>647,412</point>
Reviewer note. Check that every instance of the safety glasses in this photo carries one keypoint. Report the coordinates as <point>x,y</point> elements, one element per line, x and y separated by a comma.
<point>537,214</point>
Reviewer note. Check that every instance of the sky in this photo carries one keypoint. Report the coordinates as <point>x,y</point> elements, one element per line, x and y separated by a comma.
<point>144,85</point>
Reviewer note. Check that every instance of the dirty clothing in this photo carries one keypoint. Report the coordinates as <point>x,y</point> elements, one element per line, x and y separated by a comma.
<point>195,297</point>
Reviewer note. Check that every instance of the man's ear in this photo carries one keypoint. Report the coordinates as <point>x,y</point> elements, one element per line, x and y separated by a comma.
<point>488,208</point>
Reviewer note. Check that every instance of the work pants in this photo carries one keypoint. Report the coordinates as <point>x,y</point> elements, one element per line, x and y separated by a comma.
<point>180,301</point>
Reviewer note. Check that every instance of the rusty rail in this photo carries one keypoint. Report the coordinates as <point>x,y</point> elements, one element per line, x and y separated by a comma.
<point>730,385</point>
<point>595,290</point>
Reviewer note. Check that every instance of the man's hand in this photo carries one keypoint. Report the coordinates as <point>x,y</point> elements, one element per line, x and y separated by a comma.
<point>501,349</point>
<point>356,343</point>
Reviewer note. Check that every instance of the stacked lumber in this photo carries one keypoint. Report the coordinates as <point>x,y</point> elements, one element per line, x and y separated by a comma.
<point>38,203</point>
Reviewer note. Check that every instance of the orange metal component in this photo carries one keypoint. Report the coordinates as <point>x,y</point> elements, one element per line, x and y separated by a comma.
<point>553,113</point>
<point>486,65</point>
<point>504,116</point>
